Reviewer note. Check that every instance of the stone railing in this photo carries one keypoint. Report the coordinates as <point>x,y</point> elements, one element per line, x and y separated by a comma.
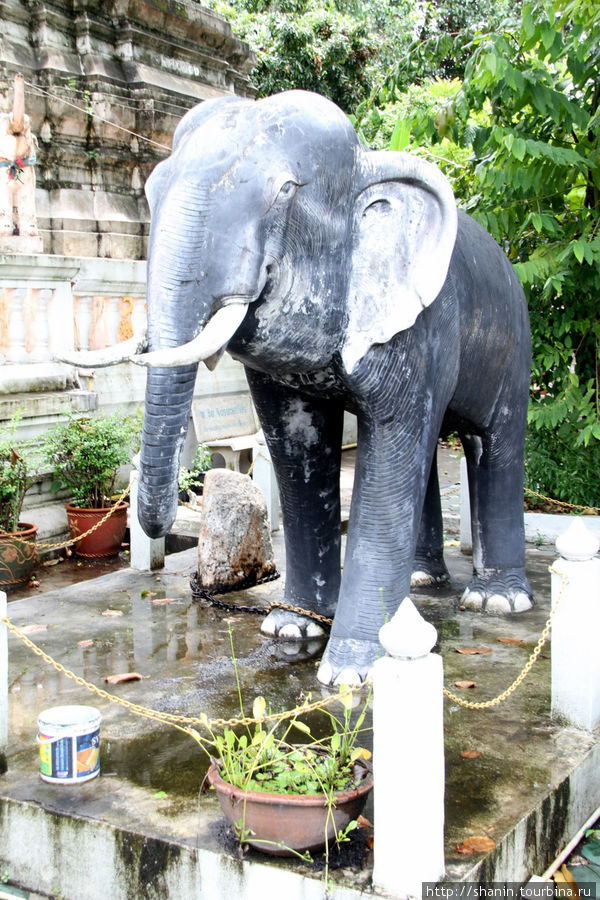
<point>50,304</point>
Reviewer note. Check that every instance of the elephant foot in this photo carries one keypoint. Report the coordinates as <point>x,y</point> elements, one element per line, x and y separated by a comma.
<point>428,570</point>
<point>499,593</point>
<point>348,661</point>
<point>290,626</point>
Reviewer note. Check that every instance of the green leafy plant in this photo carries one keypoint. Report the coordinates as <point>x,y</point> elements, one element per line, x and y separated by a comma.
<point>263,758</point>
<point>85,453</point>
<point>14,477</point>
<point>201,463</point>
<point>518,135</point>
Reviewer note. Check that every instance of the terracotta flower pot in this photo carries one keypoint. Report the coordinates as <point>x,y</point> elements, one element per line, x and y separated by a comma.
<point>105,540</point>
<point>18,555</point>
<point>296,821</point>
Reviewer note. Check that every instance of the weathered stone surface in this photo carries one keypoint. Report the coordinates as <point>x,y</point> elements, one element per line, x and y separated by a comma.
<point>234,547</point>
<point>139,65</point>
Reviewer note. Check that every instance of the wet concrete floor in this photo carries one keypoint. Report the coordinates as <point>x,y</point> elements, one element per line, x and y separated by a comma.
<point>151,774</point>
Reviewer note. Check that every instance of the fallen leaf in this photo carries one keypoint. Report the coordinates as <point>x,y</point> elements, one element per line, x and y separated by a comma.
<point>473,651</point>
<point>162,601</point>
<point>465,684</point>
<point>510,640</point>
<point>125,676</point>
<point>363,822</point>
<point>478,844</point>
<point>112,612</point>
<point>464,851</point>
<point>32,629</point>
<point>371,841</point>
<point>160,795</point>
<point>470,754</point>
<point>148,593</point>
<point>52,562</point>
<point>452,543</point>
<point>564,877</point>
<point>87,643</point>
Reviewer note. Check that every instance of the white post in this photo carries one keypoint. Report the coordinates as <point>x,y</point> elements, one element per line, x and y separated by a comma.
<point>3,684</point>
<point>408,756</point>
<point>466,540</point>
<point>146,553</point>
<point>576,628</point>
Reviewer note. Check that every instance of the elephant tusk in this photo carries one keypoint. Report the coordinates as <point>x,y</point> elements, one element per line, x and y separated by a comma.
<point>109,356</point>
<point>219,329</point>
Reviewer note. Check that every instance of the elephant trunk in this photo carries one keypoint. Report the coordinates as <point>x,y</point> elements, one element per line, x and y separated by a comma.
<point>169,395</point>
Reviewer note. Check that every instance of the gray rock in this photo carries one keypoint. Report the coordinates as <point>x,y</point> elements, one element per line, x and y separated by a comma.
<point>234,546</point>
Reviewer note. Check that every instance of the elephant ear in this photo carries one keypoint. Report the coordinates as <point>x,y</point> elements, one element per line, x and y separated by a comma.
<point>404,231</point>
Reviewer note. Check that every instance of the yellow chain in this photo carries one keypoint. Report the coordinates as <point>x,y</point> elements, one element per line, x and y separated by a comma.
<point>488,704</point>
<point>71,541</point>
<point>172,718</point>
<point>210,724</point>
<point>588,510</point>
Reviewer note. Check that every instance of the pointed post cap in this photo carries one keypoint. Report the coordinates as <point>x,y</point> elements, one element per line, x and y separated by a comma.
<point>577,543</point>
<point>407,635</point>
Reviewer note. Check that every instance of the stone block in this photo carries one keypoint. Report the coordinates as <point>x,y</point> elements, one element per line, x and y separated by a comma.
<point>234,545</point>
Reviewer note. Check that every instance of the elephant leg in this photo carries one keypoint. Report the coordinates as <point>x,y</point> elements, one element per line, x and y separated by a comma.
<point>429,566</point>
<point>495,470</point>
<point>392,469</point>
<point>304,437</point>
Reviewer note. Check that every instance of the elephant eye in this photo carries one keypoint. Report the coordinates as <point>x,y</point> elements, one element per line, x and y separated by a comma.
<point>287,191</point>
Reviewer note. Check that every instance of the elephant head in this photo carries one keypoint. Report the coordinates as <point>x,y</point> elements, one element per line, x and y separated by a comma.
<point>277,235</point>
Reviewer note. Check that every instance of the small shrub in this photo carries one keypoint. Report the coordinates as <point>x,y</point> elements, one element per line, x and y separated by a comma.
<point>86,452</point>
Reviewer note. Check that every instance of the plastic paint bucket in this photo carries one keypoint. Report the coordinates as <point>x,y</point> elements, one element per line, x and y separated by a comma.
<point>69,739</point>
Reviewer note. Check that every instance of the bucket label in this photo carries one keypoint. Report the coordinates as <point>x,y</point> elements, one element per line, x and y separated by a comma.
<point>88,753</point>
<point>71,758</point>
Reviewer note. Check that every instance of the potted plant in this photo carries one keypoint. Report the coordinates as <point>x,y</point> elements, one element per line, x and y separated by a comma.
<point>17,539</point>
<point>85,453</point>
<point>191,481</point>
<point>285,798</point>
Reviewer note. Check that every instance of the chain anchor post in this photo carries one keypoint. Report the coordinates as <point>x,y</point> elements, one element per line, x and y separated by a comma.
<point>576,628</point>
<point>408,756</point>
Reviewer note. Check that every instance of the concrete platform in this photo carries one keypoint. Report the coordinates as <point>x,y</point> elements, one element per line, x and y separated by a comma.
<point>141,830</point>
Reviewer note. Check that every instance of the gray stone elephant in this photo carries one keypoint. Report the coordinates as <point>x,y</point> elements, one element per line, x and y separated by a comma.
<point>343,279</point>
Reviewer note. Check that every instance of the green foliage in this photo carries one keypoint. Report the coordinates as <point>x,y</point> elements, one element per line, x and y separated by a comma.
<point>85,453</point>
<point>202,462</point>
<point>519,140</point>
<point>336,49</point>
<point>13,477</point>
<point>263,760</point>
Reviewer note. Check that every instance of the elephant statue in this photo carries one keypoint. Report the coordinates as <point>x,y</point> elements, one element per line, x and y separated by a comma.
<point>343,279</point>
<point>18,147</point>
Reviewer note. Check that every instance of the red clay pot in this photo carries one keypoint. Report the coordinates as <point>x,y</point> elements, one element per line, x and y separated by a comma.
<point>18,555</point>
<point>106,540</point>
<point>297,821</point>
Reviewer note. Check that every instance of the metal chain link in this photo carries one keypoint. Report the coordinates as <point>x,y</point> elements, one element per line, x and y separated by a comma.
<point>173,718</point>
<point>210,724</point>
<point>488,704</point>
<point>68,543</point>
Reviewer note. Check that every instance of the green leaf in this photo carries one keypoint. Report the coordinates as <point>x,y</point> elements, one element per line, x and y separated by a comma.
<point>400,135</point>
<point>518,149</point>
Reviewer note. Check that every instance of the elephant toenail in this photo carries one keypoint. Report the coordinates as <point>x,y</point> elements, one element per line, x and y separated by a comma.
<point>522,602</point>
<point>325,673</point>
<point>292,632</point>
<point>313,629</point>
<point>348,676</point>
